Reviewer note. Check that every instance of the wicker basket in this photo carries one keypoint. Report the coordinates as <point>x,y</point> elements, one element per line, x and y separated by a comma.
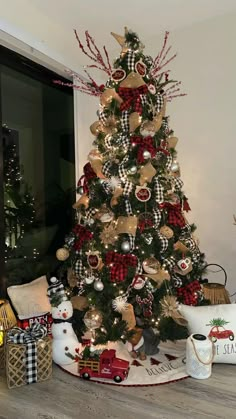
<point>2,357</point>
<point>216,293</point>
<point>15,362</point>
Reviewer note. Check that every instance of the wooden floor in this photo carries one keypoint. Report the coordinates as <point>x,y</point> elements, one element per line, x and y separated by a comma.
<point>67,397</point>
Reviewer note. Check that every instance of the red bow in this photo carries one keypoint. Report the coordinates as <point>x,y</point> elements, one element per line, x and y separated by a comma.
<point>88,174</point>
<point>175,216</point>
<point>119,265</point>
<point>144,144</point>
<point>188,293</point>
<point>82,234</point>
<point>131,97</point>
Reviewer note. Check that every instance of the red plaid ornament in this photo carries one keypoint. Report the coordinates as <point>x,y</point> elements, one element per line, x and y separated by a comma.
<point>82,235</point>
<point>145,223</point>
<point>131,98</point>
<point>144,144</point>
<point>188,293</point>
<point>175,216</point>
<point>119,264</point>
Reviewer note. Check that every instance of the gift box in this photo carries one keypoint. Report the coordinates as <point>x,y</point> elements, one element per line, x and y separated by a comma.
<point>44,319</point>
<point>28,356</point>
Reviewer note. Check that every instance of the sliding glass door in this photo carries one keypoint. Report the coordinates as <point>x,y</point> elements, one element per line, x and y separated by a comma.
<point>38,167</point>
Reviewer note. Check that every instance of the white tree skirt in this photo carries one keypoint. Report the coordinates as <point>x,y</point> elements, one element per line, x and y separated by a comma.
<point>165,367</point>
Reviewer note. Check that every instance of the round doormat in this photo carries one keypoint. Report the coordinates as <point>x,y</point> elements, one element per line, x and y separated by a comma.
<point>165,367</point>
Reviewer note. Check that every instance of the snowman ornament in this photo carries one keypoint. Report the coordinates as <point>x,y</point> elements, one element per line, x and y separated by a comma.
<point>64,338</point>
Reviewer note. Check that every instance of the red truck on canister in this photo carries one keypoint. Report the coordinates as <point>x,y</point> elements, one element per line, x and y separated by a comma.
<point>108,366</point>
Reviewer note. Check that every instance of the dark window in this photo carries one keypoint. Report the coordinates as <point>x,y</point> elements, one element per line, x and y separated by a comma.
<point>37,167</point>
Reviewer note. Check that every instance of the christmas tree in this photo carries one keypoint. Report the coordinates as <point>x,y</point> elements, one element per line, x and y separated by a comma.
<point>131,257</point>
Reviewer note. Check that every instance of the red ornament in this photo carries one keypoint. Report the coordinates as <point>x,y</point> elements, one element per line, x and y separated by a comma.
<point>140,68</point>
<point>118,74</point>
<point>93,259</point>
<point>142,193</point>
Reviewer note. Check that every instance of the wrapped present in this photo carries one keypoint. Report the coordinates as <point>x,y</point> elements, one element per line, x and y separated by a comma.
<point>28,355</point>
<point>44,320</point>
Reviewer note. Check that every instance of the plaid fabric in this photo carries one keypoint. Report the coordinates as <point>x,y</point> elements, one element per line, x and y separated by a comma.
<point>188,293</point>
<point>108,141</point>
<point>123,141</point>
<point>169,262</point>
<point>143,144</point>
<point>55,288</point>
<point>128,187</point>
<point>163,242</point>
<point>139,268</point>
<point>159,190</point>
<point>169,160</point>
<point>178,183</point>
<point>89,213</point>
<point>185,231</point>
<point>131,240</point>
<point>82,235</point>
<point>165,124</point>
<point>102,115</point>
<point>106,168</point>
<point>130,59</point>
<point>190,243</point>
<point>118,265</point>
<point>132,98</point>
<point>124,121</point>
<point>128,207</point>
<point>176,281</point>
<point>174,214</point>
<point>122,170</point>
<point>159,102</point>
<point>29,337</point>
<point>78,268</point>
<point>45,320</point>
<point>157,217</point>
<point>106,186</point>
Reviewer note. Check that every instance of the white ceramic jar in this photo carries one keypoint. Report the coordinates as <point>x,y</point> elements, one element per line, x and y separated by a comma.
<point>199,356</point>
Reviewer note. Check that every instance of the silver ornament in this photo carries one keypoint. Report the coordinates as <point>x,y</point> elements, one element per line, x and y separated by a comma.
<point>81,190</point>
<point>133,170</point>
<point>98,285</point>
<point>125,247</point>
<point>146,154</point>
<point>174,167</point>
<point>89,279</point>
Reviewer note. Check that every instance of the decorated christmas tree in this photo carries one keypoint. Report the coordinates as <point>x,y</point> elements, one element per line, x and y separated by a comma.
<point>131,257</point>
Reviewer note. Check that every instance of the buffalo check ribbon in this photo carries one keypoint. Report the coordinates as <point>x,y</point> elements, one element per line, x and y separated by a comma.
<point>132,98</point>
<point>29,337</point>
<point>118,265</point>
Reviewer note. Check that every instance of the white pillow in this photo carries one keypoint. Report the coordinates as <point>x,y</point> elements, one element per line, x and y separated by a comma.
<point>30,300</point>
<point>219,323</point>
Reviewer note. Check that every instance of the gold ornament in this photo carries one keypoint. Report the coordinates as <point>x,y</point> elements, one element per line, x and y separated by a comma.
<point>108,234</point>
<point>121,41</point>
<point>117,193</point>
<point>83,200</point>
<point>151,265</point>
<point>127,225</point>
<point>172,142</point>
<point>133,81</point>
<point>93,319</point>
<point>107,96</point>
<point>79,302</point>
<point>166,231</point>
<point>62,254</point>
<point>134,121</point>
<point>129,317</point>
<point>170,306</point>
<point>98,127</point>
<point>147,172</point>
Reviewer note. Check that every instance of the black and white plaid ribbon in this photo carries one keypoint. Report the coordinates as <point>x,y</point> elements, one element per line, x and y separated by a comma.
<point>123,141</point>
<point>102,115</point>
<point>139,269</point>
<point>159,190</point>
<point>159,103</point>
<point>130,59</point>
<point>79,268</point>
<point>156,217</point>
<point>143,99</point>
<point>185,231</point>
<point>131,240</point>
<point>107,187</point>
<point>165,124</point>
<point>196,256</point>
<point>176,281</point>
<point>163,242</point>
<point>29,337</point>
<point>169,160</point>
<point>106,168</point>
<point>124,121</point>
<point>127,187</point>
<point>90,213</point>
<point>55,288</point>
<point>177,183</point>
<point>190,243</point>
<point>108,141</point>
<point>128,207</point>
<point>122,170</point>
<point>169,262</point>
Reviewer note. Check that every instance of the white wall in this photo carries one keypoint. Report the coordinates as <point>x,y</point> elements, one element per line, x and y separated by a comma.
<point>203,121</point>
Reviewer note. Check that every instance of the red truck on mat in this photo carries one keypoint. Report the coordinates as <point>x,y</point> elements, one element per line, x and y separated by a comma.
<point>108,366</point>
